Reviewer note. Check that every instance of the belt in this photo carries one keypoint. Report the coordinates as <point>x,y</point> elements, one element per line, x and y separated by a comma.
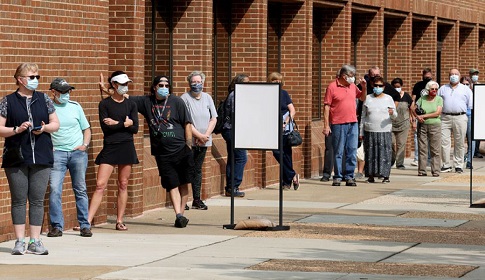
<point>454,114</point>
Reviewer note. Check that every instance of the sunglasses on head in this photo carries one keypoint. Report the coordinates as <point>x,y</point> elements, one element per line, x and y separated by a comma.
<point>378,85</point>
<point>31,77</point>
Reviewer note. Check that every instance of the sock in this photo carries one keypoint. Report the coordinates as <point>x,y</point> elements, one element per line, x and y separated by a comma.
<point>179,215</point>
<point>32,240</point>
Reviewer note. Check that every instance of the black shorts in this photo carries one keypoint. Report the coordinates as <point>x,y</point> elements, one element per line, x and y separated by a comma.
<point>176,170</point>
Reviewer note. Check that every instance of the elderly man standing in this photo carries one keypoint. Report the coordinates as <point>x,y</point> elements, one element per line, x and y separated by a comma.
<point>457,99</point>
<point>340,120</point>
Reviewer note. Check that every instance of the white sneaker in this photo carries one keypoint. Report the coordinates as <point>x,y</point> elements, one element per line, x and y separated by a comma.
<point>414,163</point>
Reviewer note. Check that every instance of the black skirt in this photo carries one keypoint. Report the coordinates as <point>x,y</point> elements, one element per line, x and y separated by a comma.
<point>118,153</point>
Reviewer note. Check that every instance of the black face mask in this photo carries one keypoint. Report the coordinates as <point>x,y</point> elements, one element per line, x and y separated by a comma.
<point>427,79</point>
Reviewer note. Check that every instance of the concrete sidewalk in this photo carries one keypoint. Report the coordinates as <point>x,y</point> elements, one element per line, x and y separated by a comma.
<point>153,249</point>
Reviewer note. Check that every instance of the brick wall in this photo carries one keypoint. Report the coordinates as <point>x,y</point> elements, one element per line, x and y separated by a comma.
<point>223,38</point>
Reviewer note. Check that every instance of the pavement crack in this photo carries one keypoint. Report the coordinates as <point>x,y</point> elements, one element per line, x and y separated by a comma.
<point>399,252</point>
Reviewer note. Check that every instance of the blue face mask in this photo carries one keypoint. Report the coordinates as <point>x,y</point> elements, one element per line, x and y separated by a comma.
<point>196,88</point>
<point>32,84</point>
<point>378,90</point>
<point>162,92</point>
<point>63,98</point>
<point>454,79</point>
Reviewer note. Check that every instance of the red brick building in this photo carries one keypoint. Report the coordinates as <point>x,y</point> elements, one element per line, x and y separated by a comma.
<point>307,41</point>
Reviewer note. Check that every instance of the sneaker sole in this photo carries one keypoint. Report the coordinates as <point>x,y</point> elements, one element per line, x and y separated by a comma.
<point>46,252</point>
<point>200,208</point>
<point>18,253</point>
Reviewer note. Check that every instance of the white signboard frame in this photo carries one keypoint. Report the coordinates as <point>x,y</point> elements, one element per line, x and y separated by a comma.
<point>256,122</point>
<point>478,112</point>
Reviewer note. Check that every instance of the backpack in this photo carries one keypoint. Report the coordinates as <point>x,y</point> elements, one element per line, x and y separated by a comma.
<point>221,117</point>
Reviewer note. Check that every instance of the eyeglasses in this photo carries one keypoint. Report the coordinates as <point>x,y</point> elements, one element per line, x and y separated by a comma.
<point>163,85</point>
<point>433,89</point>
<point>32,77</point>
<point>379,85</point>
<point>466,84</point>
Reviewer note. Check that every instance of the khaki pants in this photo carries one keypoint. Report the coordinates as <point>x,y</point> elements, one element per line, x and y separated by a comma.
<point>399,139</point>
<point>457,125</point>
<point>429,133</point>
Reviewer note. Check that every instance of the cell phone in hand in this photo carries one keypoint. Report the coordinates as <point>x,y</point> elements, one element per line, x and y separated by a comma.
<point>35,128</point>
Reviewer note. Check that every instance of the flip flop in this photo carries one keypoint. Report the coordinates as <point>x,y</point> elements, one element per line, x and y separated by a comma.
<point>121,226</point>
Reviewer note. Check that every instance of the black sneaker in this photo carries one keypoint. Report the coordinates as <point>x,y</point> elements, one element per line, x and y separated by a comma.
<point>86,232</point>
<point>386,180</point>
<point>181,222</point>
<point>237,193</point>
<point>371,180</point>
<point>459,170</point>
<point>187,207</point>
<point>54,232</point>
<point>350,183</point>
<point>199,204</point>
<point>324,179</point>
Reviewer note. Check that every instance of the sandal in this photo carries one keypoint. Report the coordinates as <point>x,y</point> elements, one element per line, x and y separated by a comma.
<point>121,226</point>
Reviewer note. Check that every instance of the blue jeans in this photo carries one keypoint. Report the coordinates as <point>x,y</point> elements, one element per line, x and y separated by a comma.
<point>288,172</point>
<point>240,159</point>
<point>77,163</point>
<point>345,140</point>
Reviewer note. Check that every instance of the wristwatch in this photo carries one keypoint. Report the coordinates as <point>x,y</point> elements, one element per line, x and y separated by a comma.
<point>86,145</point>
<point>15,129</point>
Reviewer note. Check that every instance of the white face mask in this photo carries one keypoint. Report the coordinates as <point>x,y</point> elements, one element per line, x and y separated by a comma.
<point>122,89</point>
<point>350,80</point>
<point>475,78</point>
<point>398,89</point>
<point>454,79</point>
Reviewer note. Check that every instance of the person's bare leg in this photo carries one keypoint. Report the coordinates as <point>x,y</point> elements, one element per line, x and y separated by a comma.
<point>184,195</point>
<point>104,172</point>
<point>20,231</point>
<point>124,172</point>
<point>360,166</point>
<point>34,231</point>
<point>176,199</point>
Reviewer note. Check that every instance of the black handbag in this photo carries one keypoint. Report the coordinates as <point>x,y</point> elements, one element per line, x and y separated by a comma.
<point>12,157</point>
<point>420,111</point>
<point>294,137</point>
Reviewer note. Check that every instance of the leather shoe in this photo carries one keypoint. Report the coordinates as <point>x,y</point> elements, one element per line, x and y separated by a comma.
<point>54,232</point>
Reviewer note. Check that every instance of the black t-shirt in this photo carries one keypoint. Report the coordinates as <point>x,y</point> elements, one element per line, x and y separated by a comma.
<point>166,122</point>
<point>108,108</point>
<point>418,87</point>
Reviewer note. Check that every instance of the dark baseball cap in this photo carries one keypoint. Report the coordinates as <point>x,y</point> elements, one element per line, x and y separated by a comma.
<point>60,85</point>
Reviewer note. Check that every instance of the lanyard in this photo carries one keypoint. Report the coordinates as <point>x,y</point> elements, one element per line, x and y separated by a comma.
<point>163,109</point>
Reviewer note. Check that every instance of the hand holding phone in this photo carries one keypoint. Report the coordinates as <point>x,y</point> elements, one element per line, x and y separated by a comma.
<point>35,128</point>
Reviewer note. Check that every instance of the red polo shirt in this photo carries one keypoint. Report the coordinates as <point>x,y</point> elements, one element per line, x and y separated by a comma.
<point>341,100</point>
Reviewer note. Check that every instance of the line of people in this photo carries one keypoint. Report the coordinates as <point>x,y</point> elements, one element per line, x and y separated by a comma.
<point>47,136</point>
<point>383,118</point>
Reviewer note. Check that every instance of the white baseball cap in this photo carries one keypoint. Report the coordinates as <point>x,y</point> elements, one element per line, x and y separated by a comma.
<point>121,79</point>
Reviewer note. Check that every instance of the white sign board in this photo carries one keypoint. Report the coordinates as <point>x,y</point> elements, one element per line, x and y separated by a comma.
<point>478,112</point>
<point>257,116</point>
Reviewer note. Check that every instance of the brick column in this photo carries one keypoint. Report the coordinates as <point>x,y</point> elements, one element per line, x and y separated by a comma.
<point>126,53</point>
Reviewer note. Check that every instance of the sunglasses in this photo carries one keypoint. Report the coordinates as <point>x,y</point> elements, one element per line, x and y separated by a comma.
<point>433,89</point>
<point>379,85</point>
<point>162,85</point>
<point>32,77</point>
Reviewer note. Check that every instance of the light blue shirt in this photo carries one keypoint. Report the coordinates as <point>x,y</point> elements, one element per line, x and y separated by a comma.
<point>456,100</point>
<point>72,123</point>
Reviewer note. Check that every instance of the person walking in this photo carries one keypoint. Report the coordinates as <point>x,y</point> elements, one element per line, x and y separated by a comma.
<point>27,118</point>
<point>70,142</point>
<point>204,116</point>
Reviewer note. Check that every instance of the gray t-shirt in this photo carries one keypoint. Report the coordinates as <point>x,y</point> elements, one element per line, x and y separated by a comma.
<point>201,110</point>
